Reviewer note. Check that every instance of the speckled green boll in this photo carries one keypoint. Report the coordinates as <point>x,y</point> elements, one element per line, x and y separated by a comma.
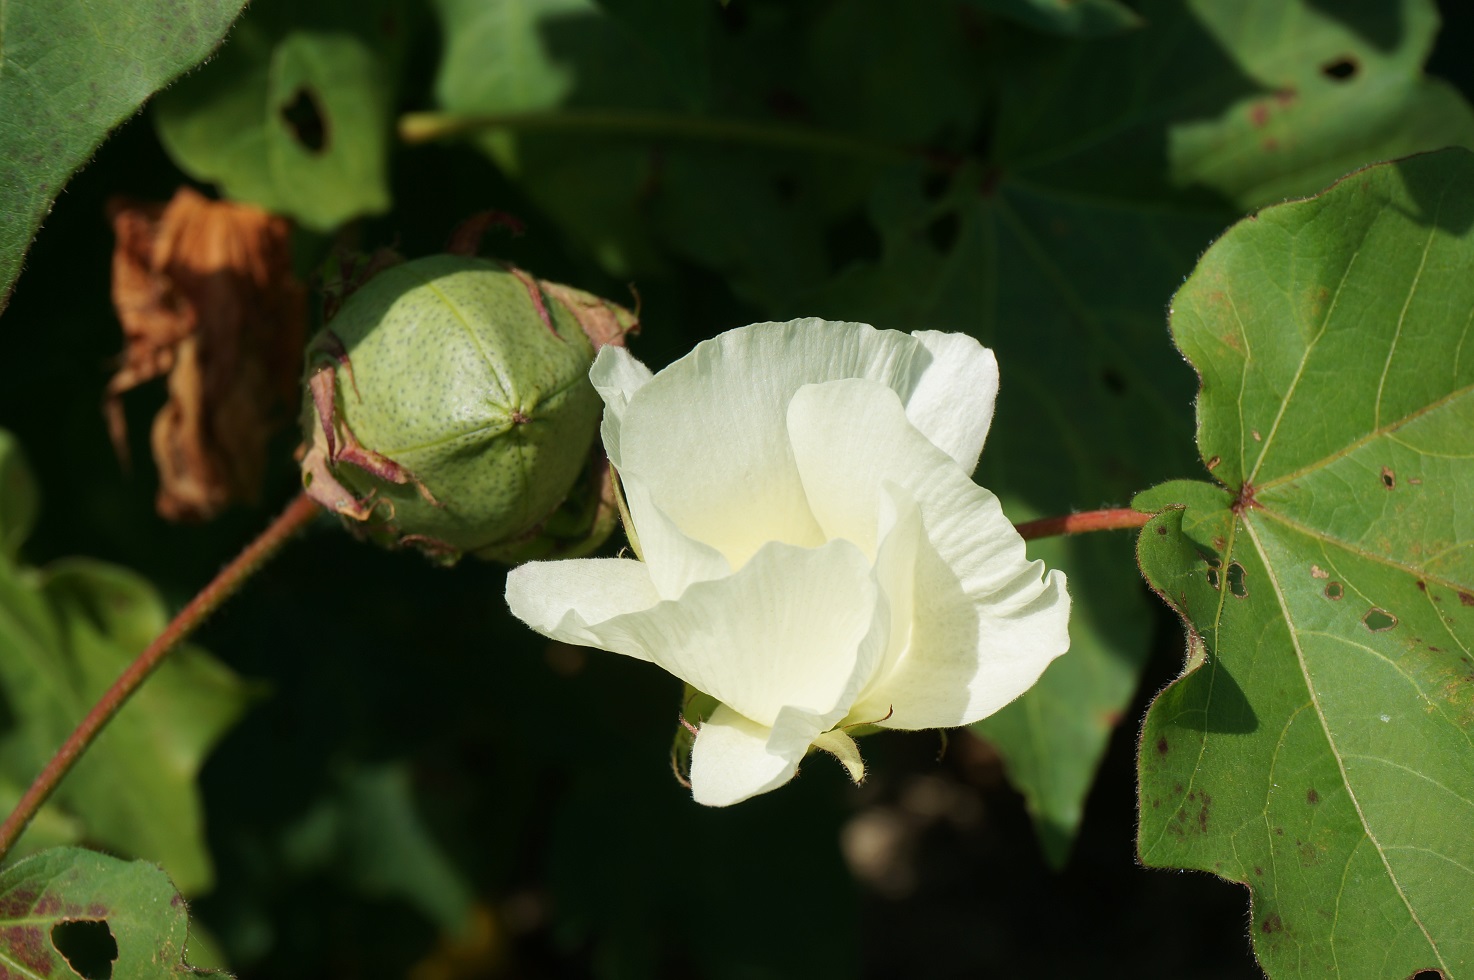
<point>462,409</point>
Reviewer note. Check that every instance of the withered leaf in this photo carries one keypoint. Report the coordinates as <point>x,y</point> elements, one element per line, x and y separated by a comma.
<point>205,293</point>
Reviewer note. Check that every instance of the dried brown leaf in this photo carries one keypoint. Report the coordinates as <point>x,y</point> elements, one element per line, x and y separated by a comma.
<point>205,293</point>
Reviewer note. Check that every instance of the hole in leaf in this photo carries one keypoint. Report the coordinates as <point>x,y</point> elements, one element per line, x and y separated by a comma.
<point>88,946</point>
<point>1114,381</point>
<point>1213,574</point>
<point>1333,590</point>
<point>1378,620</point>
<point>1341,69</point>
<point>942,233</point>
<point>303,116</point>
<point>1236,583</point>
<point>1389,479</point>
<point>936,184</point>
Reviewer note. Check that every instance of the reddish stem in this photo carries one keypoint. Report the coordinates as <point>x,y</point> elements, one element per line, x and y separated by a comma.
<point>1090,520</point>
<point>299,514</point>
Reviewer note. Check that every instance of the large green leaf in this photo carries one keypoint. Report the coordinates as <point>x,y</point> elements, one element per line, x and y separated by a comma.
<point>293,116</point>
<point>1254,100</point>
<point>66,633</point>
<point>1074,18</point>
<point>1320,748</point>
<point>69,73</point>
<point>69,912</point>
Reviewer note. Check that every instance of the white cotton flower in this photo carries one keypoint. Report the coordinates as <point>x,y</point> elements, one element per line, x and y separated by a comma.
<point>816,555</point>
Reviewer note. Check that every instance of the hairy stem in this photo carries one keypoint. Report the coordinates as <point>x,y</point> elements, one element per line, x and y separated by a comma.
<point>423,127</point>
<point>297,516</point>
<point>1091,520</point>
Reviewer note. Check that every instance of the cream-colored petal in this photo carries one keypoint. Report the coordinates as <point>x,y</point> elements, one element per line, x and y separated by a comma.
<point>986,622</point>
<point>616,376</point>
<point>564,600</point>
<point>952,403</point>
<point>795,629</point>
<point>707,435</point>
<point>676,561</point>
<point>731,760</point>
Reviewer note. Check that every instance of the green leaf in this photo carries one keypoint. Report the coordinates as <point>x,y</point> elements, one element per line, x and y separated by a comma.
<point>1254,100</point>
<point>18,503</point>
<point>370,830</point>
<point>66,633</point>
<point>70,912</point>
<point>71,72</point>
<point>1073,18</point>
<point>294,115</point>
<point>1318,748</point>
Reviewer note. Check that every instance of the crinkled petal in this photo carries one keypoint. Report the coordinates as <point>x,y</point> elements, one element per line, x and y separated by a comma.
<point>616,376</point>
<point>985,622</point>
<point>952,403</point>
<point>706,436</point>
<point>731,760</point>
<point>797,629</point>
<point>565,600</point>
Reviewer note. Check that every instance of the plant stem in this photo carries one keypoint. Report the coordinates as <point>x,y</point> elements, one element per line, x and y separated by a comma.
<point>299,514</point>
<point>422,127</point>
<point>1090,520</point>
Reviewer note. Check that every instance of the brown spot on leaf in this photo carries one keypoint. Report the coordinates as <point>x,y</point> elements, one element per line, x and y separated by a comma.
<point>1162,746</point>
<point>1422,586</point>
<point>1317,572</point>
<point>1258,115</point>
<point>1256,435</point>
<point>27,946</point>
<point>1466,598</point>
<point>1213,463</point>
<point>205,294</point>
<point>1258,871</point>
<point>1272,923</point>
<point>1311,796</point>
<point>17,904</point>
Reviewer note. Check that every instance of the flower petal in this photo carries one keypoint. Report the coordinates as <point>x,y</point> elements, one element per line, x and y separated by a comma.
<point>952,403</point>
<point>564,599</point>
<point>984,624</point>
<point>616,376</point>
<point>796,630</point>
<point>707,434</point>
<point>731,760</point>
<point>676,560</point>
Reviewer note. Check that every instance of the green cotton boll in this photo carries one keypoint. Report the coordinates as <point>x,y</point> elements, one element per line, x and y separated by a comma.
<point>448,408</point>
